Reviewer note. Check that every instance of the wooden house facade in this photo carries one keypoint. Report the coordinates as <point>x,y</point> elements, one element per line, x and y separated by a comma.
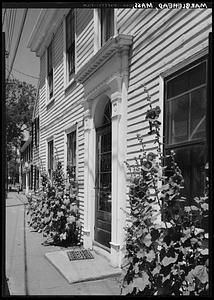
<point>94,67</point>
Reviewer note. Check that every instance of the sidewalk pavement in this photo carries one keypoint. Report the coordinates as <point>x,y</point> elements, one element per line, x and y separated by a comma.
<point>29,271</point>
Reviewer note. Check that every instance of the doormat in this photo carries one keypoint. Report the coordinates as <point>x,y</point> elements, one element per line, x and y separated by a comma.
<point>79,254</point>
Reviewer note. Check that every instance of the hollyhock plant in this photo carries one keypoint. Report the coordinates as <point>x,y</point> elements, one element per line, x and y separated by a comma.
<point>166,250</point>
<point>51,213</point>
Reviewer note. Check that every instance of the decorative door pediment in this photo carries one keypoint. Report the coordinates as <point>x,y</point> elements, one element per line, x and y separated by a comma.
<point>106,69</point>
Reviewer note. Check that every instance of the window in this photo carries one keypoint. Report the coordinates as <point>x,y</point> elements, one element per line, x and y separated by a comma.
<point>36,137</point>
<point>71,152</point>
<point>185,115</point>
<point>36,178</point>
<point>50,69</point>
<point>50,158</point>
<point>70,43</point>
<point>107,24</point>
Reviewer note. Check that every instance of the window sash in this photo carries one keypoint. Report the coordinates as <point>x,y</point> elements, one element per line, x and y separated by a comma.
<point>70,42</point>
<point>189,101</point>
<point>71,149</point>
<point>190,148</point>
<point>107,24</point>
<point>36,131</point>
<point>50,155</point>
<point>50,69</point>
<point>50,58</point>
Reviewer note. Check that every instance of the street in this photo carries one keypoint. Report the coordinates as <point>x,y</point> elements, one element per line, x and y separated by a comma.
<point>27,269</point>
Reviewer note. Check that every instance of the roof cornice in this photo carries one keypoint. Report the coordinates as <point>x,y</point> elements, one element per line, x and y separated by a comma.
<point>46,25</point>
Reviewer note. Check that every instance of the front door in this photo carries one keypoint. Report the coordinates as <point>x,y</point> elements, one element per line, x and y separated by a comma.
<point>103,187</point>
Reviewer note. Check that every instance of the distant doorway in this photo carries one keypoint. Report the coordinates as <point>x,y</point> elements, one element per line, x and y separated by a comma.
<point>103,197</point>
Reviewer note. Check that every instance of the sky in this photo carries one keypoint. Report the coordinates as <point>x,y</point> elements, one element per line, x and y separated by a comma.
<point>25,61</point>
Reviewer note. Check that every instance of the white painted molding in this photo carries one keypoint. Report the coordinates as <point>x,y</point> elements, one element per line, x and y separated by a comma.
<point>115,246</point>
<point>46,25</point>
<point>170,69</point>
<point>112,46</point>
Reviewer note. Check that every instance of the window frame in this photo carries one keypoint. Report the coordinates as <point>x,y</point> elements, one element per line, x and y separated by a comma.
<point>50,73</point>
<point>188,144</point>
<point>98,44</point>
<point>36,132</point>
<point>67,131</point>
<point>73,144</point>
<point>103,24</point>
<point>68,78</point>
<point>50,174</point>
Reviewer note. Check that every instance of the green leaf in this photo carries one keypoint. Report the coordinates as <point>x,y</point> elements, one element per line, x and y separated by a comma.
<point>204,251</point>
<point>205,206</point>
<point>141,282</point>
<point>156,270</point>
<point>150,256</point>
<point>193,207</point>
<point>164,187</point>
<point>201,273</point>
<point>127,289</point>
<point>141,253</point>
<point>147,240</point>
<point>187,209</point>
<point>169,260</point>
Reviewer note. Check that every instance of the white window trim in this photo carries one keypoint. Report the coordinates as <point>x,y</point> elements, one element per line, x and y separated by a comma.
<point>68,83</point>
<point>48,99</point>
<point>97,28</point>
<point>183,63</point>
<point>68,130</point>
<point>49,139</point>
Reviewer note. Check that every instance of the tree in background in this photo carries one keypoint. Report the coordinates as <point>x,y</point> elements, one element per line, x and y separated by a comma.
<point>20,99</point>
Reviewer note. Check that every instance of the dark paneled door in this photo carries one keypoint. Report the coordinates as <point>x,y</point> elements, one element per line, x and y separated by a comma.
<point>103,187</point>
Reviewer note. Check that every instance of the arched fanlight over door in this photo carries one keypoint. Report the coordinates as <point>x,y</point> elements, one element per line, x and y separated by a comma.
<point>107,114</point>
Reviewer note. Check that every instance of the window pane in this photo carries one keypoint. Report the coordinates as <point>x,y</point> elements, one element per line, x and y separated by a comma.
<point>107,24</point>
<point>50,155</point>
<point>50,58</point>
<point>69,29</point>
<point>198,114</point>
<point>191,161</point>
<point>71,149</point>
<point>178,119</point>
<point>187,80</point>
<point>104,202</point>
<point>105,164</point>
<point>106,142</point>
<point>70,42</point>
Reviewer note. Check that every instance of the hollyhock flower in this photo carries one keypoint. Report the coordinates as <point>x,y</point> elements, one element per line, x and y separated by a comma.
<point>177,178</point>
<point>151,156</point>
<point>146,166</point>
<point>71,219</point>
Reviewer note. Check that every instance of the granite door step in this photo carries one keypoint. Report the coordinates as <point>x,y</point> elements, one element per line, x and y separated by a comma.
<point>82,270</point>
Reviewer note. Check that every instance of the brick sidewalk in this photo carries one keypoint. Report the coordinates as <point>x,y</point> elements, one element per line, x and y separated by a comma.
<point>28,270</point>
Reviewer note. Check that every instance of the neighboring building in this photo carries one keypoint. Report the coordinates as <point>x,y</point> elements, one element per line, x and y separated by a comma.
<point>27,166</point>
<point>94,64</point>
<point>37,167</point>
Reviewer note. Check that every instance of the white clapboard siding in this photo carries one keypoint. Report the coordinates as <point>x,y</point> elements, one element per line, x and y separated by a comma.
<point>161,40</point>
<point>66,110</point>
<point>84,36</point>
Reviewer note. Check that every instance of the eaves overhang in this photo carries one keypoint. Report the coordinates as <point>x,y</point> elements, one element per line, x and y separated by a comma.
<point>46,25</point>
<point>114,45</point>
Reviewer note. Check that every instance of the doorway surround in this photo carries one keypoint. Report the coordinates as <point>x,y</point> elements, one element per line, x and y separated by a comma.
<point>105,76</point>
